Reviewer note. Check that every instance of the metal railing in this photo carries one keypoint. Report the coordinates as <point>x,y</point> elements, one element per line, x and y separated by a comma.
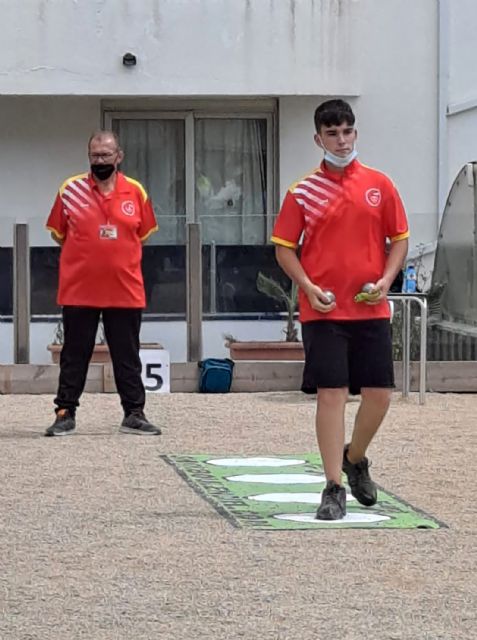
<point>407,299</point>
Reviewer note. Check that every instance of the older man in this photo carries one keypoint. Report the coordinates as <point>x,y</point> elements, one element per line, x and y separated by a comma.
<point>101,219</point>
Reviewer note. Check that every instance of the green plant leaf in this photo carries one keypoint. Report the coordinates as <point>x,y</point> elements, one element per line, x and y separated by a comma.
<point>271,288</point>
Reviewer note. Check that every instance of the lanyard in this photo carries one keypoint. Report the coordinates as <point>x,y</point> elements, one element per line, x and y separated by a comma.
<point>101,202</point>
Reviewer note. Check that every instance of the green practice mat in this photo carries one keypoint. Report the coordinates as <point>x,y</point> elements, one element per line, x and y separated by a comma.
<point>283,492</point>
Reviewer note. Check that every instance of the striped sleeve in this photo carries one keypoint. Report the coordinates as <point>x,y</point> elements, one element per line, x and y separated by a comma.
<point>395,221</point>
<point>57,222</point>
<point>148,224</point>
<point>289,223</point>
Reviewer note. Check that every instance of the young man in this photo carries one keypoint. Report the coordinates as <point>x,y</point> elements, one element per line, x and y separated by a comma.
<point>345,211</point>
<point>101,219</point>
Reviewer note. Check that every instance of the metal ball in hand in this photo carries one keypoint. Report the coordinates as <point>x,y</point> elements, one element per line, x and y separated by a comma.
<point>330,295</point>
<point>369,287</point>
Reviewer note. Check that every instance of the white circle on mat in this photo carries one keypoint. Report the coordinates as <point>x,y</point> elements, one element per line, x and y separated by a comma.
<point>302,498</point>
<point>255,462</point>
<point>279,478</point>
<point>350,518</point>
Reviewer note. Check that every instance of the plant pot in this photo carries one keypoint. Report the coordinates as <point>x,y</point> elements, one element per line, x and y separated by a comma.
<point>269,350</point>
<point>151,345</point>
<point>100,353</point>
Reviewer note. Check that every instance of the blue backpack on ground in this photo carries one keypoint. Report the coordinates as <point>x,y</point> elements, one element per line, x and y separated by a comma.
<point>215,375</point>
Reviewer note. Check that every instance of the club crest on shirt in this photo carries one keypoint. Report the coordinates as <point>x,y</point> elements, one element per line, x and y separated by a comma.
<point>373,197</point>
<point>127,208</point>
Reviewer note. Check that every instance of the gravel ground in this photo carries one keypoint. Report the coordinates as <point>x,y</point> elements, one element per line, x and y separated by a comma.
<point>102,540</point>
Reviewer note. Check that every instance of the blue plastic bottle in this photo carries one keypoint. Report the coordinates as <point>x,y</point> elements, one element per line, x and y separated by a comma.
<point>410,279</point>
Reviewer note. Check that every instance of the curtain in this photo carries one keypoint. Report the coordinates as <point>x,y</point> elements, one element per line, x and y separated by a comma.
<point>155,155</point>
<point>230,180</point>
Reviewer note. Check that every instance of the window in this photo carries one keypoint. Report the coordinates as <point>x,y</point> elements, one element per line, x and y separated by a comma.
<point>231,180</point>
<point>6,281</point>
<point>216,169</point>
<point>44,262</point>
<point>155,155</point>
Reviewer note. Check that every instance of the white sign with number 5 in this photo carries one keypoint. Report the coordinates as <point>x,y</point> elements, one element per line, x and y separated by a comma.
<point>155,370</point>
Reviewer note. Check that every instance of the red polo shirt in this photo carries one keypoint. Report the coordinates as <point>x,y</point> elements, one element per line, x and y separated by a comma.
<point>345,219</point>
<point>100,263</point>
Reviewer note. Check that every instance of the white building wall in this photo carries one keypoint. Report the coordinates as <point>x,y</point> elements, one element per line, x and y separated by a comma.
<point>462,128</point>
<point>462,86</point>
<point>397,107</point>
<point>183,47</point>
<point>396,111</point>
<point>463,70</point>
<point>42,142</point>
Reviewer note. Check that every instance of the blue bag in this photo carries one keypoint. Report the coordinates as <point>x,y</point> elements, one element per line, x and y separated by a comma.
<point>215,375</point>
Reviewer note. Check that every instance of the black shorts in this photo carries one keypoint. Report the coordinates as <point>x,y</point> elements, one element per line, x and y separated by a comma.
<point>351,354</point>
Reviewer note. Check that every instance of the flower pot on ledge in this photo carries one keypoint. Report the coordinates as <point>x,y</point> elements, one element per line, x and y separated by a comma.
<point>101,353</point>
<point>266,350</point>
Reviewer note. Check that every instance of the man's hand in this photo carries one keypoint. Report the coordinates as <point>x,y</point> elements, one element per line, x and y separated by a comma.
<point>318,299</point>
<point>382,286</point>
<point>288,260</point>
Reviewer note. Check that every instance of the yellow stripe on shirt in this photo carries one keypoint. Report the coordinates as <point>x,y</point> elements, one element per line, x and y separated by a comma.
<point>283,243</point>
<point>80,176</point>
<point>153,230</point>
<point>139,186</point>
<point>59,235</point>
<point>401,236</point>
<point>292,187</point>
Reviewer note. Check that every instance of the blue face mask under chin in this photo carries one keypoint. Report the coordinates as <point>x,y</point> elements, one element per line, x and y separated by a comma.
<point>339,161</point>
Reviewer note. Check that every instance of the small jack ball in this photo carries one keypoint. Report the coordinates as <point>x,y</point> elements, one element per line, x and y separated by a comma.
<point>330,295</point>
<point>368,287</point>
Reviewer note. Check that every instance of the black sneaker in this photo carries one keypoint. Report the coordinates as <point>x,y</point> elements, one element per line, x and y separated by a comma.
<point>64,425</point>
<point>359,480</point>
<point>137,423</point>
<point>333,502</point>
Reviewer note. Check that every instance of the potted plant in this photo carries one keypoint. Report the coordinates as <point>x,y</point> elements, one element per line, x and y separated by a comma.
<point>100,351</point>
<point>290,348</point>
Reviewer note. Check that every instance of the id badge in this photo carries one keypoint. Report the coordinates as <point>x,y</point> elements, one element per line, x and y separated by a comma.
<point>108,232</point>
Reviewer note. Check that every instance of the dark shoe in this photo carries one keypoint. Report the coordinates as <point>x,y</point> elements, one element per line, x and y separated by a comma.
<point>137,423</point>
<point>64,425</point>
<point>359,480</point>
<point>333,502</point>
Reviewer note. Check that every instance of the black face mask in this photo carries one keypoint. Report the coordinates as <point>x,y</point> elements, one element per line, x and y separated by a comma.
<point>102,171</point>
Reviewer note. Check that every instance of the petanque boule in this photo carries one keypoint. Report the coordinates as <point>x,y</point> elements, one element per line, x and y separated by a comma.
<point>368,293</point>
<point>330,296</point>
<point>368,287</point>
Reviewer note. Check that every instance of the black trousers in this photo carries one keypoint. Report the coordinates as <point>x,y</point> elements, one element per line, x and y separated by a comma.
<point>121,329</point>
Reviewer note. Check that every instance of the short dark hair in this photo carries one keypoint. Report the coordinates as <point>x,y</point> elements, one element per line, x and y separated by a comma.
<point>104,133</point>
<point>333,113</point>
